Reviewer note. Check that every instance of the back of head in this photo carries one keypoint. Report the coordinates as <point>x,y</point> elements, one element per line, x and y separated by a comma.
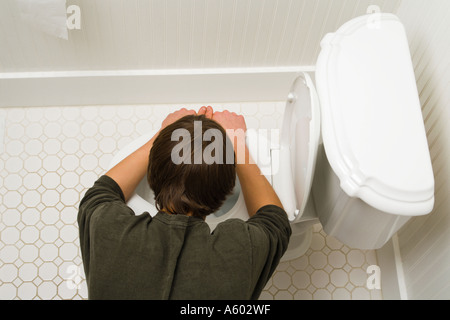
<point>189,169</point>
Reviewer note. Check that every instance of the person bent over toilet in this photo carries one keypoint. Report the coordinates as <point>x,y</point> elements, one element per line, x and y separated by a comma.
<point>174,255</point>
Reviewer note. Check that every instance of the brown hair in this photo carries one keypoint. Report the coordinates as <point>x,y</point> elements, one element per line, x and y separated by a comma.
<point>189,187</point>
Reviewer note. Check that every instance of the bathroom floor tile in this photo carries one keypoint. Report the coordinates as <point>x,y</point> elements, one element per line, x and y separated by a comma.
<point>53,155</point>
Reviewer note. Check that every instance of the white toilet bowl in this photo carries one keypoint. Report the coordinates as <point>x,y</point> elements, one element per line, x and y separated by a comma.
<point>265,153</point>
<point>353,154</point>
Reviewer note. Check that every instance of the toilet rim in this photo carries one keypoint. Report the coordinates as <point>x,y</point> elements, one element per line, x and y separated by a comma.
<point>139,205</point>
<point>131,147</point>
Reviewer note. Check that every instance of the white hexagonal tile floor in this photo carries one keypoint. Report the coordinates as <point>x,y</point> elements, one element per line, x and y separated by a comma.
<point>328,271</point>
<point>52,155</point>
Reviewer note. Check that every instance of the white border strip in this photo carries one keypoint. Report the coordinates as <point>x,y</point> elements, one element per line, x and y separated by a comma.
<point>143,87</point>
<point>399,266</point>
<point>162,72</point>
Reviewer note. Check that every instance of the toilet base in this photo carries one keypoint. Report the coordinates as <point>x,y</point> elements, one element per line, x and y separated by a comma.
<point>298,245</point>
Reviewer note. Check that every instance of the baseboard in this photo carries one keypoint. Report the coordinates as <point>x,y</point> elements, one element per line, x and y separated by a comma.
<point>392,277</point>
<point>137,87</point>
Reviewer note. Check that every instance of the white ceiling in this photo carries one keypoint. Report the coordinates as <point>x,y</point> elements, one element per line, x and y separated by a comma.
<point>179,34</point>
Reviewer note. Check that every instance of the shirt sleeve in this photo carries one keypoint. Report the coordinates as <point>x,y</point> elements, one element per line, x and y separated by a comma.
<point>270,232</point>
<point>98,200</point>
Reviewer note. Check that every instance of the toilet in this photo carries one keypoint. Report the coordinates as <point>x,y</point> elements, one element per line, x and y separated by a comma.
<point>352,153</point>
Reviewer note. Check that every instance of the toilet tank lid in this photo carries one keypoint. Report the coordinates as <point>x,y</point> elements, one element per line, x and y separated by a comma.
<point>372,125</point>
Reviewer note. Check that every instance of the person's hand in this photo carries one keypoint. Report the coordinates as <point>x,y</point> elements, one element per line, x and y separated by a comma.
<point>234,125</point>
<point>206,111</point>
<point>230,120</point>
<point>177,115</point>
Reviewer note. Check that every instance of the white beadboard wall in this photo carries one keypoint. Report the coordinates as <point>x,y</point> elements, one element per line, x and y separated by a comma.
<point>179,34</point>
<point>424,243</point>
<point>144,50</point>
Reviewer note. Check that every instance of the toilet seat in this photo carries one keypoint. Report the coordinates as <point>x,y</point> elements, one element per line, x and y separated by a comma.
<point>299,143</point>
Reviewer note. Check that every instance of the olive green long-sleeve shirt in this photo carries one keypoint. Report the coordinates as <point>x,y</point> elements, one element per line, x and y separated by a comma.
<point>128,256</point>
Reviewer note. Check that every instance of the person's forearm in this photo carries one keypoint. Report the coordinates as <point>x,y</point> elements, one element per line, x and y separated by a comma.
<point>256,188</point>
<point>129,173</point>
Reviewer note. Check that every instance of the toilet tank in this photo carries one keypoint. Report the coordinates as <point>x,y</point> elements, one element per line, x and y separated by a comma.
<point>374,169</point>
